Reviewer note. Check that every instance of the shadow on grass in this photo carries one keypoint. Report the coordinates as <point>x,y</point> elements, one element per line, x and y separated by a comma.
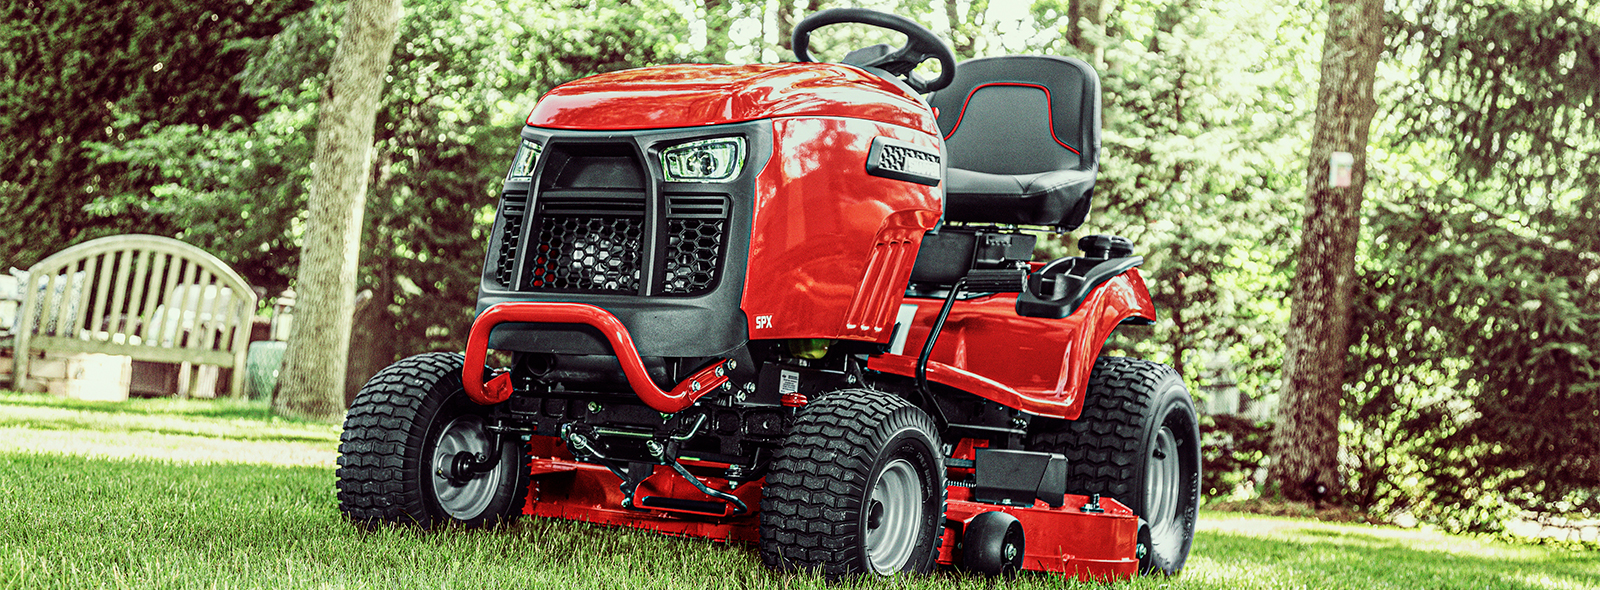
<point>223,419</point>
<point>221,408</point>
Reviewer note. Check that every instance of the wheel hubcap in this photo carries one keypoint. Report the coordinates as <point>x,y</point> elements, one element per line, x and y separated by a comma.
<point>1163,488</point>
<point>462,494</point>
<point>895,509</point>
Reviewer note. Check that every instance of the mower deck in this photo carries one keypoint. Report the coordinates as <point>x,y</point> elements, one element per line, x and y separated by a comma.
<point>1074,540</point>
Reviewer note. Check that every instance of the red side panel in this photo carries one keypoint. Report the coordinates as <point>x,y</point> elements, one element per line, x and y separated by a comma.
<point>696,95</point>
<point>1040,366</point>
<point>832,246</point>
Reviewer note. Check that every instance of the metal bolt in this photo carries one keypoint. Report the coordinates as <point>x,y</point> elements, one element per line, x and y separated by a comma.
<point>719,371</point>
<point>1011,552</point>
<point>739,396</point>
<point>594,407</point>
<point>750,387</point>
<point>694,386</point>
<point>1141,551</point>
<point>654,448</point>
<point>727,386</point>
<point>732,364</point>
<point>851,379</point>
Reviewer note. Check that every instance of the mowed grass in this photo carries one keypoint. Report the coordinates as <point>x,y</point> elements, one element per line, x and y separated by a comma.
<point>219,494</point>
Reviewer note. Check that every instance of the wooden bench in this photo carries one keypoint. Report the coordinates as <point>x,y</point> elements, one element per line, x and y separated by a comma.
<point>146,297</point>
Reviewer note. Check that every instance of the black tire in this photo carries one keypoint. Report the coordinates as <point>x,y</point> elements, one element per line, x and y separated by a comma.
<point>396,456</point>
<point>857,488</point>
<point>1137,441</point>
<point>992,544</point>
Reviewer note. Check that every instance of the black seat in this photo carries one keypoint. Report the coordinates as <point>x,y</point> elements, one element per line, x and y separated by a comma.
<point>1023,138</point>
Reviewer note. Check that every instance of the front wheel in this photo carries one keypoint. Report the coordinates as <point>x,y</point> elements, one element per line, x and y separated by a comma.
<point>1137,441</point>
<point>416,450</point>
<point>857,488</point>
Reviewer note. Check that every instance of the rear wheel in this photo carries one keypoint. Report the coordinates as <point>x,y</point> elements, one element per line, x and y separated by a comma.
<point>858,487</point>
<point>1137,441</point>
<point>416,450</point>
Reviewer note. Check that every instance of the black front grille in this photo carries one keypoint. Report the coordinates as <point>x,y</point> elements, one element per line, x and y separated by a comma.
<point>590,226</point>
<point>514,211</point>
<point>587,244</point>
<point>696,233</point>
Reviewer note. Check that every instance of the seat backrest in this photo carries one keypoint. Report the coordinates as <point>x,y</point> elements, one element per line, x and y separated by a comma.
<point>1021,114</point>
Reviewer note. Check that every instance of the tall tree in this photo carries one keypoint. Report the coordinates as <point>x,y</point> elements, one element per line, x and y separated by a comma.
<point>312,383</point>
<point>1305,446</point>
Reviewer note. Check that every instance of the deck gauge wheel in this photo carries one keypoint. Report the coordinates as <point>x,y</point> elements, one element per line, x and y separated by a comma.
<point>992,544</point>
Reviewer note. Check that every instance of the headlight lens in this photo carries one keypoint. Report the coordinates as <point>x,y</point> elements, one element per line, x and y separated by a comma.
<point>710,160</point>
<point>527,156</point>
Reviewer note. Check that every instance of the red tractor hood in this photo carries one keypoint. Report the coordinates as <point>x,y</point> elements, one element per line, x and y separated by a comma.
<point>664,97</point>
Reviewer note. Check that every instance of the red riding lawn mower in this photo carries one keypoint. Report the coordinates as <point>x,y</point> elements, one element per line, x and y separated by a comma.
<point>794,305</point>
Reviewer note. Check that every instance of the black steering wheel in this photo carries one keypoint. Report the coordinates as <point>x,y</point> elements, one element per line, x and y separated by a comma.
<point>921,45</point>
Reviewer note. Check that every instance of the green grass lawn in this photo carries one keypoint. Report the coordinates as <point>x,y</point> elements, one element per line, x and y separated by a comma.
<point>184,494</point>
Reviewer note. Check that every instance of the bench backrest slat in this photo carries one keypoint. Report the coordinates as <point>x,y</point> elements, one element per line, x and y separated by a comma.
<point>147,297</point>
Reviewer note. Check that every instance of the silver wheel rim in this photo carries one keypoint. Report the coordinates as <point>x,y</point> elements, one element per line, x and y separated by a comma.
<point>1163,485</point>
<point>463,500</point>
<point>896,499</point>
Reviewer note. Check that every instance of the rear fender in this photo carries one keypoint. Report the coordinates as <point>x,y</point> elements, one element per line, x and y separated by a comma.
<point>1122,300</point>
<point>1037,365</point>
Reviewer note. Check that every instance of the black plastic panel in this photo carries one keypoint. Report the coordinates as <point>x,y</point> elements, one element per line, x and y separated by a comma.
<point>1019,477</point>
<point>680,296</point>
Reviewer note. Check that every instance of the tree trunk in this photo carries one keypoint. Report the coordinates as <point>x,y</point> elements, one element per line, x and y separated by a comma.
<point>372,342</point>
<point>1305,444</point>
<point>312,385</point>
<point>1084,16</point>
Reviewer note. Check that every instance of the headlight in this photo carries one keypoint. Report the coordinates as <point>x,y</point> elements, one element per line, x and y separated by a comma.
<point>527,156</point>
<point>710,160</point>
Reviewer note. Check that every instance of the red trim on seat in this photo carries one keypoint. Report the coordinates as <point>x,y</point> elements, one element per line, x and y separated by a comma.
<point>1050,116</point>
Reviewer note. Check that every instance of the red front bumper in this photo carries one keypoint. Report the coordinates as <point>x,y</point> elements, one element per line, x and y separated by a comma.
<point>498,389</point>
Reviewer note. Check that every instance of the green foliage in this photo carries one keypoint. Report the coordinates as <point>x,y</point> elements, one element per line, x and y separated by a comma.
<point>71,71</point>
<point>1477,385</point>
<point>462,77</point>
<point>1232,449</point>
<point>1479,350</point>
<point>1206,109</point>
